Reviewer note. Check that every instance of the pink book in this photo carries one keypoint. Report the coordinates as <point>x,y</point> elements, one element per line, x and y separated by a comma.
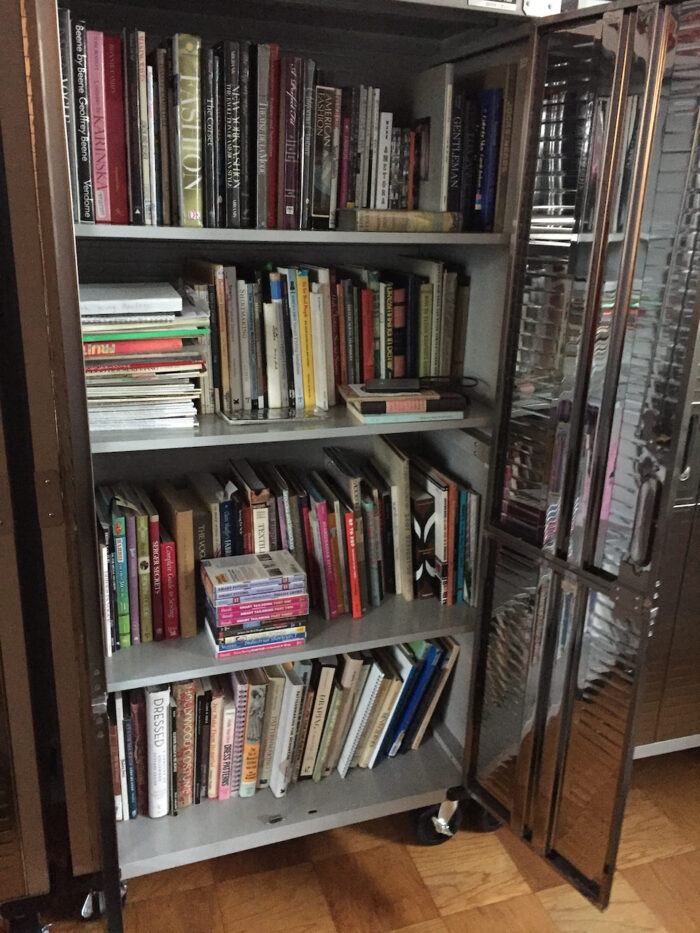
<point>168,568</point>
<point>115,130</point>
<point>321,509</point>
<point>263,610</point>
<point>228,728</point>
<point>239,682</point>
<point>98,126</point>
<point>117,347</point>
<point>277,646</point>
<point>156,573</point>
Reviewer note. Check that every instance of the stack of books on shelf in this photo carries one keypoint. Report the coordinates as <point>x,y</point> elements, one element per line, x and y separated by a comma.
<point>379,407</point>
<point>271,342</point>
<point>175,745</point>
<point>240,135</point>
<point>145,355</point>
<point>340,538</point>
<point>254,602</point>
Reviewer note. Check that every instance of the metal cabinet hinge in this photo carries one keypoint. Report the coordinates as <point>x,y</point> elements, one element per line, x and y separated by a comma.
<point>48,498</point>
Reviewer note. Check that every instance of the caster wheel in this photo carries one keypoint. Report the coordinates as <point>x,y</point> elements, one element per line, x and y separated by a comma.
<point>426,831</point>
<point>479,820</point>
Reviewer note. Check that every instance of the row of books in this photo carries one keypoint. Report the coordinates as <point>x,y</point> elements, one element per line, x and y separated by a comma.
<point>243,135</point>
<point>175,745</point>
<point>147,355</point>
<point>359,528</point>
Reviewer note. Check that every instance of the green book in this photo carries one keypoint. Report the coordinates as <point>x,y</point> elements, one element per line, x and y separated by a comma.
<point>425,328</point>
<point>143,554</point>
<point>144,335</point>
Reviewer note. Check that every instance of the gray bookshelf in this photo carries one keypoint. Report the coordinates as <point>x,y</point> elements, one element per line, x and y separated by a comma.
<point>213,828</point>
<point>183,658</point>
<point>296,237</point>
<point>214,431</point>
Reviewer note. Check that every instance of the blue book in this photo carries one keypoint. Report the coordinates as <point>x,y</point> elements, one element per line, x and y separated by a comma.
<point>430,654</point>
<point>491,104</point>
<point>461,541</point>
<point>409,667</point>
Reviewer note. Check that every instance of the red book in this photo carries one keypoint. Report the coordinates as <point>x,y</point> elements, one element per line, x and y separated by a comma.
<point>94,42</point>
<point>116,131</point>
<point>342,336</point>
<point>248,541</point>
<point>367,327</point>
<point>137,706</point>
<point>263,610</point>
<point>399,335</point>
<point>273,138</point>
<point>344,162</point>
<point>335,325</point>
<point>119,347</point>
<point>156,571</point>
<point>168,572</point>
<point>353,569</point>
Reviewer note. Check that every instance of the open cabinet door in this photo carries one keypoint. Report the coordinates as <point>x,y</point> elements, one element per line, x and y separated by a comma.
<point>595,403</point>
<point>57,481</point>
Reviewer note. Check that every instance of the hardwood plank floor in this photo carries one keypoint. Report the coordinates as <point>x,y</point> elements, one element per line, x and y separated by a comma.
<point>374,878</point>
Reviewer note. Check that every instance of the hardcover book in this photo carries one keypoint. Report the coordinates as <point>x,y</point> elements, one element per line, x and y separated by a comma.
<point>82,123</point>
<point>187,106</point>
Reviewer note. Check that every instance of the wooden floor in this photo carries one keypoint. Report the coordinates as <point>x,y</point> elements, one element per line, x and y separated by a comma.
<point>373,877</point>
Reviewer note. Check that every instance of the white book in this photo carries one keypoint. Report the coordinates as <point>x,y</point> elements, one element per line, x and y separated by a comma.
<point>374,147</point>
<point>121,746</point>
<point>384,160</point>
<point>362,714</point>
<point>234,344</point>
<point>273,355</point>
<point>322,276</point>
<point>395,466</point>
<point>298,375</point>
<point>318,715</point>
<point>285,739</point>
<point>403,663</point>
<point>228,734</point>
<point>216,718</point>
<point>273,707</point>
<point>151,145</point>
<point>129,298</point>
<point>158,747</point>
<point>319,347</point>
<point>242,345</point>
<point>148,195</point>
<point>432,103</point>
<point>106,605</point>
<point>349,681</point>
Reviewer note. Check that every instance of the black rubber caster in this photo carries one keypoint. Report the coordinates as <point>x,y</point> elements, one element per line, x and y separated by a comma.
<point>428,833</point>
<point>477,819</point>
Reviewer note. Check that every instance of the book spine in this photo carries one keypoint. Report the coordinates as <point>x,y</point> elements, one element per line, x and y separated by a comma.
<point>209,137</point>
<point>262,130</point>
<point>384,161</point>
<point>251,744</point>
<point>144,153</point>
<point>454,178</point>
<point>215,733</point>
<point>69,104</point>
<point>156,579</point>
<point>133,127</point>
<point>105,599</point>
<point>116,772</point>
<point>344,162</point>
<point>241,697</point>
<point>335,161</point>
<point>318,717</point>
<point>374,149</point>
<point>353,566</point>
<point>162,80</point>
<point>219,140</point>
<point>273,136</point>
<point>228,735</point>
<point>399,333</point>
<point>232,134</point>
<point>94,44</point>
<point>82,123</point>
<point>271,723</point>
<point>461,544</point>
<point>327,558</point>
<point>324,107</point>
<point>157,710</point>
<point>185,698</point>
<point>425,329</point>
<point>306,339</point>
<point>189,120</point>
<point>259,341</point>
<point>227,651</point>
<point>168,563</point>
<point>367,299</point>
<point>284,741</point>
<point>359,721</point>
<point>295,327</point>
<point>252,346</point>
<point>143,549</point>
<point>203,756</point>
<point>130,766</point>
<point>373,551</point>
<point>306,144</point>
<point>491,103</point>
<point>121,575</point>
<point>153,152</point>
<point>290,120</point>
<point>342,335</point>
<point>247,124</point>
<point>138,732</point>
<point>133,579</point>
<point>115,130</point>
<point>121,751</point>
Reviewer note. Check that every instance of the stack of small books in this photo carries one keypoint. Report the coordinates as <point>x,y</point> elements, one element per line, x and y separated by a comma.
<point>391,407</point>
<point>254,602</point>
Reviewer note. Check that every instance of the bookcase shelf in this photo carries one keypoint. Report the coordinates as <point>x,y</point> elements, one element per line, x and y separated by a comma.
<point>215,432</point>
<point>183,658</point>
<point>296,237</point>
<point>416,779</point>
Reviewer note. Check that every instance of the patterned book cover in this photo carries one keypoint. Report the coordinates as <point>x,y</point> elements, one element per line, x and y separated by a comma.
<point>239,683</point>
<point>423,542</point>
<point>255,715</point>
<point>184,693</point>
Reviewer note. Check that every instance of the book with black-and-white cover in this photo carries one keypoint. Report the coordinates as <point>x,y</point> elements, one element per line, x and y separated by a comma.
<point>322,153</point>
<point>306,148</point>
<point>158,755</point>
<point>383,160</point>
<point>262,135</point>
<point>432,104</point>
<point>69,107</point>
<point>233,319</point>
<point>324,684</point>
<point>82,124</point>
<point>283,752</point>
<point>362,713</point>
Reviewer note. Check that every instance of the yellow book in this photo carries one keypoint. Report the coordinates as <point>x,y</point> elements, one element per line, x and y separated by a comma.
<point>305,338</point>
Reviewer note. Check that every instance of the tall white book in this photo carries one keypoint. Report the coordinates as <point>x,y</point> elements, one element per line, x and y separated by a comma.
<point>285,739</point>
<point>119,715</point>
<point>158,749</point>
<point>383,160</point>
<point>432,108</point>
<point>362,714</point>
<point>273,355</point>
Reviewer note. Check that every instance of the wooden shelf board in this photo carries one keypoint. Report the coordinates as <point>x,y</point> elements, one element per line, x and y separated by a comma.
<point>213,431</point>
<point>182,658</point>
<point>213,828</point>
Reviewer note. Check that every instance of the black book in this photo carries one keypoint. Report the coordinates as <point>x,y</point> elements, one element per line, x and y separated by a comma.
<point>209,137</point>
<point>133,125</point>
<point>471,140</point>
<point>67,84</point>
<point>306,148</point>
<point>411,283</point>
<point>230,54</point>
<point>173,756</point>
<point>454,175</point>
<point>353,93</point>
<point>219,140</point>
<point>287,340</point>
<point>248,136</point>
<point>86,202</point>
<point>129,756</point>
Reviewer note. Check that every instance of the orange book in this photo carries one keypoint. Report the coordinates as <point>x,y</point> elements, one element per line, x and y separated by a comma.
<point>255,712</point>
<point>353,568</point>
<point>184,693</point>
